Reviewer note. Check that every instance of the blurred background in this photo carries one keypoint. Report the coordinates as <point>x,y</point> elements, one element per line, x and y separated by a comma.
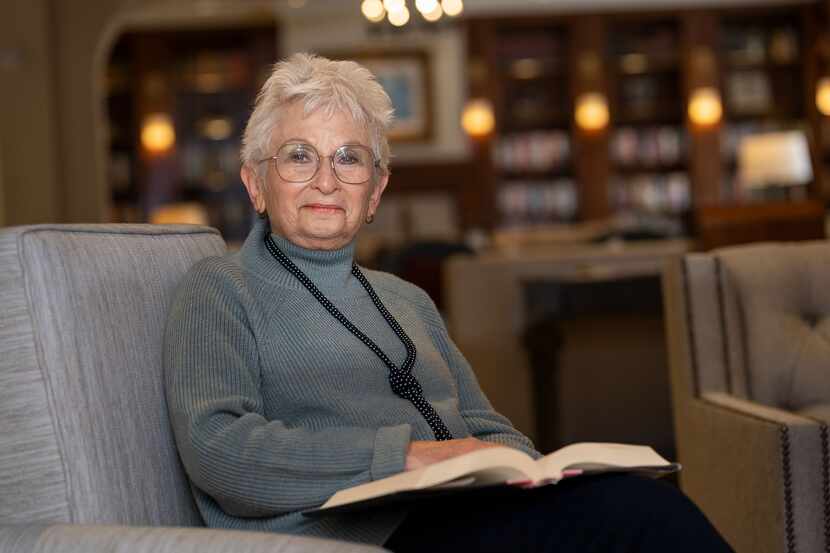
<point>549,156</point>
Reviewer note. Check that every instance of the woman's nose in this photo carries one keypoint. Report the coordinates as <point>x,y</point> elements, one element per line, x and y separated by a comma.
<point>326,180</point>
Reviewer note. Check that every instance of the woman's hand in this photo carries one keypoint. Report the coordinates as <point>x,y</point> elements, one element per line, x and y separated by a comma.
<point>423,453</point>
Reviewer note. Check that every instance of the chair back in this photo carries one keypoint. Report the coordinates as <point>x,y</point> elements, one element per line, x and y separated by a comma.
<point>84,432</point>
<point>759,322</point>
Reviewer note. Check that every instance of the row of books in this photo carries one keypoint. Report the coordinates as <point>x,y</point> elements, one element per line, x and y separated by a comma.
<point>749,92</point>
<point>533,151</point>
<point>755,45</point>
<point>527,201</point>
<point>213,167</point>
<point>649,146</point>
<point>654,192</point>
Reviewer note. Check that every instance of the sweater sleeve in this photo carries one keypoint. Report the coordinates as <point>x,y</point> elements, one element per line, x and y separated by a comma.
<point>483,422</point>
<point>251,466</point>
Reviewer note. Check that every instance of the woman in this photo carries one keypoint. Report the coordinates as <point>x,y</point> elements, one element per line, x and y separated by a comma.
<point>292,373</point>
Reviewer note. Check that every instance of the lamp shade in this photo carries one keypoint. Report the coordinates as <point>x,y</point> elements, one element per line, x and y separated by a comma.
<point>774,159</point>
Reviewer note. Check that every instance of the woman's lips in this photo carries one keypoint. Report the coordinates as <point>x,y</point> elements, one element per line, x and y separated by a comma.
<point>323,208</point>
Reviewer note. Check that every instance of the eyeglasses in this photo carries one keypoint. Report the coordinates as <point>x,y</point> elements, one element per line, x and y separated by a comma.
<point>299,162</point>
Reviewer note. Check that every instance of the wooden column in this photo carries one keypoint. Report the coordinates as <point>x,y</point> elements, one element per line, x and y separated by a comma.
<point>156,175</point>
<point>700,69</point>
<point>477,194</point>
<point>817,55</point>
<point>591,159</point>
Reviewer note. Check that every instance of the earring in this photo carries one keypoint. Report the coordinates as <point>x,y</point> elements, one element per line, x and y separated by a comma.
<point>369,219</point>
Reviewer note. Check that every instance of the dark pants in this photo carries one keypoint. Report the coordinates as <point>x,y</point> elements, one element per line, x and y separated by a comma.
<point>607,513</point>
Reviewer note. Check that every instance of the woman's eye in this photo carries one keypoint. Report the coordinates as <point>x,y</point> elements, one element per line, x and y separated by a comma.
<point>299,156</point>
<point>348,158</point>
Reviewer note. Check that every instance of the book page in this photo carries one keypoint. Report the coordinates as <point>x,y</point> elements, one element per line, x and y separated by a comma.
<point>594,457</point>
<point>482,467</point>
<point>399,482</point>
<point>487,466</point>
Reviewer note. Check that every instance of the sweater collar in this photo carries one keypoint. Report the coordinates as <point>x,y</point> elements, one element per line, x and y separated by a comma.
<point>329,270</point>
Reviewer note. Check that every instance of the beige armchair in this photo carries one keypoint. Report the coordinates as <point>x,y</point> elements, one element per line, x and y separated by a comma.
<point>749,341</point>
<point>87,458</point>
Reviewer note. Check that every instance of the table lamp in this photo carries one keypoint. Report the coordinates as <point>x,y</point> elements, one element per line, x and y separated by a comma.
<point>774,165</point>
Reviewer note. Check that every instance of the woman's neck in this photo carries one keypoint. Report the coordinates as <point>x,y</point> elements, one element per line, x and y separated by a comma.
<point>325,268</point>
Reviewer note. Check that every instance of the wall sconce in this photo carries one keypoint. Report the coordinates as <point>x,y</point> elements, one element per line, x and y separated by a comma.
<point>157,133</point>
<point>591,112</point>
<point>823,95</point>
<point>478,119</point>
<point>705,108</point>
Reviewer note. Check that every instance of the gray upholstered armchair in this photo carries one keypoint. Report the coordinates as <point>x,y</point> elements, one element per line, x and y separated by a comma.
<point>87,458</point>
<point>749,339</point>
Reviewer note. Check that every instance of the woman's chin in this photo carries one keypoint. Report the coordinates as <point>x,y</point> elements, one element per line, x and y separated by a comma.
<point>328,237</point>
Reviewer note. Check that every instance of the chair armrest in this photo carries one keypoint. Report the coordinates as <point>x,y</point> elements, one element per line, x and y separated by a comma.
<point>82,538</point>
<point>757,472</point>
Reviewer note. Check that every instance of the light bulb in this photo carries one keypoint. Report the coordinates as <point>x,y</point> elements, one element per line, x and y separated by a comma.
<point>399,18</point>
<point>394,5</point>
<point>372,10</point>
<point>478,119</point>
<point>705,108</point>
<point>452,7</point>
<point>435,14</point>
<point>592,111</point>
<point>426,6</point>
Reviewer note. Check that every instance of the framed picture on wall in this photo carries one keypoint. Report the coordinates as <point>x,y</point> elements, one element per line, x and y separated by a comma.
<point>405,75</point>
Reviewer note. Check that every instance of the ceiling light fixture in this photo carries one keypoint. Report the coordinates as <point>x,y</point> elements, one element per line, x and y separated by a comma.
<point>398,14</point>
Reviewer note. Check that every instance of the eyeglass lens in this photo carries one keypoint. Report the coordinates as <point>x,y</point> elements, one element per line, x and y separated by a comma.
<point>353,164</point>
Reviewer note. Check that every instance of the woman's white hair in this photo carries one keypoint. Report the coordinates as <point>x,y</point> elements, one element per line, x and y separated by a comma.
<point>319,83</point>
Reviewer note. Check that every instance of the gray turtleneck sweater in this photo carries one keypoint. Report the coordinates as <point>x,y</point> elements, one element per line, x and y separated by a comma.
<point>276,405</point>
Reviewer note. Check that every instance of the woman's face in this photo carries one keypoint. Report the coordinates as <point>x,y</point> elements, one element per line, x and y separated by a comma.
<point>323,213</point>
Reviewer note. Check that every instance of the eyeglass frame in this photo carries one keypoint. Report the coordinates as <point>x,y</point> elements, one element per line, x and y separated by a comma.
<point>276,157</point>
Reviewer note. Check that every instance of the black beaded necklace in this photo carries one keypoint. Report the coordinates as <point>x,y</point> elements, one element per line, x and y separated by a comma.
<point>403,382</point>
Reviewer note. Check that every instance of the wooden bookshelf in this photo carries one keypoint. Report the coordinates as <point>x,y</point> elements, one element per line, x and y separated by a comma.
<point>764,79</point>
<point>651,161</point>
<point>531,155</point>
<point>649,142</point>
<point>205,80</point>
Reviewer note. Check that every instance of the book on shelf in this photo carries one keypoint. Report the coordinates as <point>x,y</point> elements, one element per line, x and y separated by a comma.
<point>498,467</point>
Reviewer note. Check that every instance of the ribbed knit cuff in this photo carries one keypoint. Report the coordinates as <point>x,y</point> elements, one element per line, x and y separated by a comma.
<point>391,445</point>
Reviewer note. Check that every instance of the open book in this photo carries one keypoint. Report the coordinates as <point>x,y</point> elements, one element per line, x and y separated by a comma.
<point>500,466</point>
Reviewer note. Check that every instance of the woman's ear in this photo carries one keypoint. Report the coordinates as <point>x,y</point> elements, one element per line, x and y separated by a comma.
<point>253,184</point>
<point>374,198</point>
